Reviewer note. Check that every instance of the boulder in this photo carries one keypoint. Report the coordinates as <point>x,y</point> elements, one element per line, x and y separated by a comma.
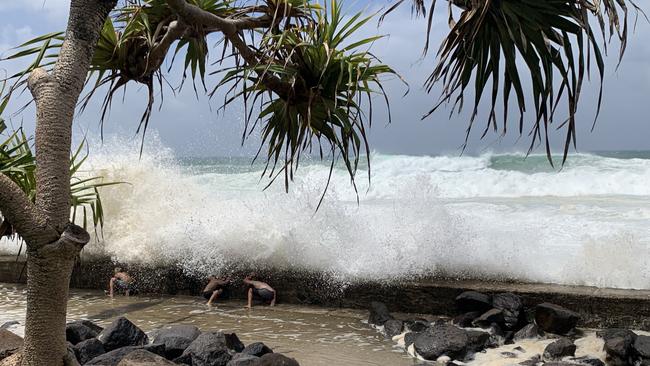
<point>208,349</point>
<point>114,357</point>
<point>276,359</point>
<point>492,316</point>
<point>530,331</point>
<point>10,343</point>
<point>619,346</point>
<point>409,338</point>
<point>477,340</point>
<point>470,301</point>
<point>563,347</point>
<point>642,346</point>
<point>379,313</point>
<point>176,339</point>
<point>241,359</point>
<point>512,308</point>
<point>555,319</point>
<point>465,320</point>
<point>442,340</point>
<point>393,327</point>
<point>88,349</point>
<point>81,330</point>
<point>258,349</point>
<point>141,357</point>
<point>233,343</point>
<point>122,333</point>
<point>416,325</point>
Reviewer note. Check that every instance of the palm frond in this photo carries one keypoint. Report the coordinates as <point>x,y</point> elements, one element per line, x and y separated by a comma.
<point>553,43</point>
<point>17,161</point>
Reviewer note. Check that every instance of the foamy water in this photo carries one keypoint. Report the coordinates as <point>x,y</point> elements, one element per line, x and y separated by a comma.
<point>496,216</point>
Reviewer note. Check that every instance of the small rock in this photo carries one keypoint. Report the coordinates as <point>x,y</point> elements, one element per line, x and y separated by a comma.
<point>208,349</point>
<point>619,346</point>
<point>379,313</point>
<point>588,361</point>
<point>563,347</point>
<point>140,357</point>
<point>233,343</point>
<point>393,327</point>
<point>512,307</point>
<point>114,357</point>
<point>241,359</point>
<point>492,316</point>
<point>442,340</point>
<point>76,332</point>
<point>530,331</point>
<point>465,320</point>
<point>276,359</point>
<point>122,333</point>
<point>88,349</point>
<point>477,340</point>
<point>10,343</point>
<point>470,301</point>
<point>176,339</point>
<point>642,346</point>
<point>416,325</point>
<point>508,355</point>
<point>555,319</point>
<point>258,349</point>
<point>533,361</point>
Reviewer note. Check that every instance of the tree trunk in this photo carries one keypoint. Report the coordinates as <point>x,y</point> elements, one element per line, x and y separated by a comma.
<point>47,299</point>
<point>52,242</point>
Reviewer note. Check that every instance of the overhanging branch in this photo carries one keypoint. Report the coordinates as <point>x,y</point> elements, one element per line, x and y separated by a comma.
<point>191,14</point>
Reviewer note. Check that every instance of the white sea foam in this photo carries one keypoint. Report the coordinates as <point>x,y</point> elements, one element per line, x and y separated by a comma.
<point>487,216</point>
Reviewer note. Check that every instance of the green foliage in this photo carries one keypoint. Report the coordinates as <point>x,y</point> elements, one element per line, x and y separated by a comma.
<point>332,78</point>
<point>17,161</point>
<point>306,46</point>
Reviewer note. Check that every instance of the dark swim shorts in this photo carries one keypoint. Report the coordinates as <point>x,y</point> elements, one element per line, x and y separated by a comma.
<point>263,294</point>
<point>123,285</point>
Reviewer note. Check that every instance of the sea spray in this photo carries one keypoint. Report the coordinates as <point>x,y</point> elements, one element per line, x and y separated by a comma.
<point>490,216</point>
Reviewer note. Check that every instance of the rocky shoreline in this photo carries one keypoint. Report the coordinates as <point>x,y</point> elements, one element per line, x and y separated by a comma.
<point>122,343</point>
<point>496,329</point>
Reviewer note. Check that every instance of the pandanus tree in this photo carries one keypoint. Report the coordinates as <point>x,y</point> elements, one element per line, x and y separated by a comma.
<point>304,78</point>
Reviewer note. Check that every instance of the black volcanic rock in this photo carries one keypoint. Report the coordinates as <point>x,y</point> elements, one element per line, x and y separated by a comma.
<point>555,319</point>
<point>470,301</point>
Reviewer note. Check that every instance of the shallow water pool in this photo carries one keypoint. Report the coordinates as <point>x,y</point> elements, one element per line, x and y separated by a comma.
<point>311,335</point>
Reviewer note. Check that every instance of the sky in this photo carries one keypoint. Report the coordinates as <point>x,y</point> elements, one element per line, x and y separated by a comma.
<point>192,126</point>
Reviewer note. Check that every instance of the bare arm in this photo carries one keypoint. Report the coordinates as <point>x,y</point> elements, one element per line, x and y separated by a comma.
<point>274,295</point>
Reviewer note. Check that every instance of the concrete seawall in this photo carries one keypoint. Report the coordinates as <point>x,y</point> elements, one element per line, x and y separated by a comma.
<point>599,307</point>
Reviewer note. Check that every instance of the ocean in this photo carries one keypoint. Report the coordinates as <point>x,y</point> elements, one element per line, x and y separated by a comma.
<point>492,216</point>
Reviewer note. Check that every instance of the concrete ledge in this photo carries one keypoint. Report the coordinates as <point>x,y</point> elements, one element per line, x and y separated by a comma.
<point>600,308</point>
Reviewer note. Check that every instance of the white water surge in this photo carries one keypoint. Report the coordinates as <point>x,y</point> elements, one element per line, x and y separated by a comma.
<point>494,216</point>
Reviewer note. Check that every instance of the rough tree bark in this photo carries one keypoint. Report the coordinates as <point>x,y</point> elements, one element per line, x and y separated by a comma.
<point>52,241</point>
